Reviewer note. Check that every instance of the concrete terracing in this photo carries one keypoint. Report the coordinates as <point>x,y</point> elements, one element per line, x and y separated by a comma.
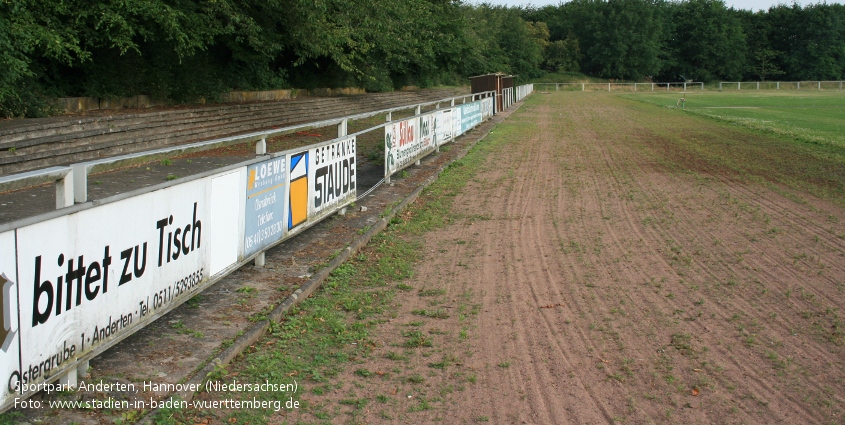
<point>37,143</point>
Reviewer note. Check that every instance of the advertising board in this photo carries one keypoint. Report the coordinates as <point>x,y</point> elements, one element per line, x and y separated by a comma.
<point>470,115</point>
<point>10,359</point>
<point>97,275</point>
<point>401,144</point>
<point>332,177</point>
<point>266,206</point>
<point>442,127</point>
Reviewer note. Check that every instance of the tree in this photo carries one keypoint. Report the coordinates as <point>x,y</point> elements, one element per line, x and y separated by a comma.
<point>707,42</point>
<point>564,55</point>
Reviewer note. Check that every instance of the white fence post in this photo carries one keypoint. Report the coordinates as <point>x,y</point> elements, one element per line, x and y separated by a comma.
<point>343,128</point>
<point>758,85</point>
<point>64,191</point>
<point>778,85</point>
<point>261,147</point>
<point>582,86</point>
<point>80,183</point>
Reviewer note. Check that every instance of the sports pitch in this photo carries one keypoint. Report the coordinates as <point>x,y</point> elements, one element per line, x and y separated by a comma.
<point>817,117</point>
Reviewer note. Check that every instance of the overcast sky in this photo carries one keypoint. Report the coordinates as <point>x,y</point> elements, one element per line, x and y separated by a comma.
<point>754,5</point>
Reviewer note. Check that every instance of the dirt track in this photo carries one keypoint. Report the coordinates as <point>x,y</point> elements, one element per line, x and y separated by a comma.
<point>592,277</point>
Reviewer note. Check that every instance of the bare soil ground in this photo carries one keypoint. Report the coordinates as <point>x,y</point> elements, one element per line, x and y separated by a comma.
<point>595,271</point>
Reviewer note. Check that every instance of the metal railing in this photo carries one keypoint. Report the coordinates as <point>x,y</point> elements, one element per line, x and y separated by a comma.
<point>782,85</point>
<point>632,86</point>
<point>72,181</point>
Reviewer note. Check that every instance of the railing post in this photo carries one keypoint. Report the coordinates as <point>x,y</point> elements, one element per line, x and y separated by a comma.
<point>261,147</point>
<point>260,260</point>
<point>80,183</point>
<point>685,86</point>
<point>69,378</point>
<point>418,109</point>
<point>608,86</point>
<point>667,86</point>
<point>799,86</point>
<point>758,85</point>
<point>343,128</point>
<point>652,86</point>
<point>64,191</point>
<point>720,86</point>
<point>557,87</point>
<point>778,85</point>
<point>582,86</point>
<point>82,369</point>
<point>389,116</point>
<point>820,85</point>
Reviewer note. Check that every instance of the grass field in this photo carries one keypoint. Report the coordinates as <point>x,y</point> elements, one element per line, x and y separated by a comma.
<point>817,117</point>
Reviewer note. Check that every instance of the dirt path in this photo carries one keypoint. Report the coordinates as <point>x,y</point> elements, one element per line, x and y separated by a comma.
<point>590,277</point>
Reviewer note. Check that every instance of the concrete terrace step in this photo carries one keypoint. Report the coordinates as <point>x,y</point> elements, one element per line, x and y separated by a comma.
<point>45,142</point>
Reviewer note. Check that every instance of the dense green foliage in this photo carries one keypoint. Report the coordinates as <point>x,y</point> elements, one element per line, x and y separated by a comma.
<point>700,40</point>
<point>184,50</point>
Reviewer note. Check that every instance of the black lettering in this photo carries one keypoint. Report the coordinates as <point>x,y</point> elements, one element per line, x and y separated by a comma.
<point>106,264</point>
<point>185,247</point>
<point>139,271</point>
<point>41,288</point>
<point>92,276</point>
<point>80,273</point>
<point>176,244</point>
<point>160,226</point>
<point>319,179</point>
<point>197,230</point>
<point>125,255</point>
<point>352,173</point>
<point>331,183</point>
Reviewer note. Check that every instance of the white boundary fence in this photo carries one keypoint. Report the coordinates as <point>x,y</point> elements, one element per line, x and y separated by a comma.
<point>781,85</point>
<point>78,280</point>
<point>623,86</point>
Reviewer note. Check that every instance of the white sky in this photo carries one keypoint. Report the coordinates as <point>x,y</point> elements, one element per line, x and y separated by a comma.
<point>736,4</point>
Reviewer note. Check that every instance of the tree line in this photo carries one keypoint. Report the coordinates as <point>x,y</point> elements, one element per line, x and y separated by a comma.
<point>185,50</point>
<point>699,40</point>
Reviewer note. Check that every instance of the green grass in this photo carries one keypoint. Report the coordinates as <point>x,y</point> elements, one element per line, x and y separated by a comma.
<point>815,117</point>
<point>794,139</point>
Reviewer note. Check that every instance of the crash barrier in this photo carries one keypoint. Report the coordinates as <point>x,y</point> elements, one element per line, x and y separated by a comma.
<point>79,279</point>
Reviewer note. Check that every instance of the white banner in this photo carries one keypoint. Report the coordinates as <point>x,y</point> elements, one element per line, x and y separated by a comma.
<point>486,108</point>
<point>401,144</point>
<point>9,331</point>
<point>427,143</point>
<point>97,275</point>
<point>442,127</point>
<point>456,121</point>
<point>332,181</point>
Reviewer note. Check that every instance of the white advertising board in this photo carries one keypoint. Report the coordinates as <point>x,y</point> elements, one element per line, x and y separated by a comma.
<point>486,108</point>
<point>226,237</point>
<point>95,276</point>
<point>401,144</point>
<point>427,143</point>
<point>442,127</point>
<point>456,121</point>
<point>10,358</point>
<point>332,177</point>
